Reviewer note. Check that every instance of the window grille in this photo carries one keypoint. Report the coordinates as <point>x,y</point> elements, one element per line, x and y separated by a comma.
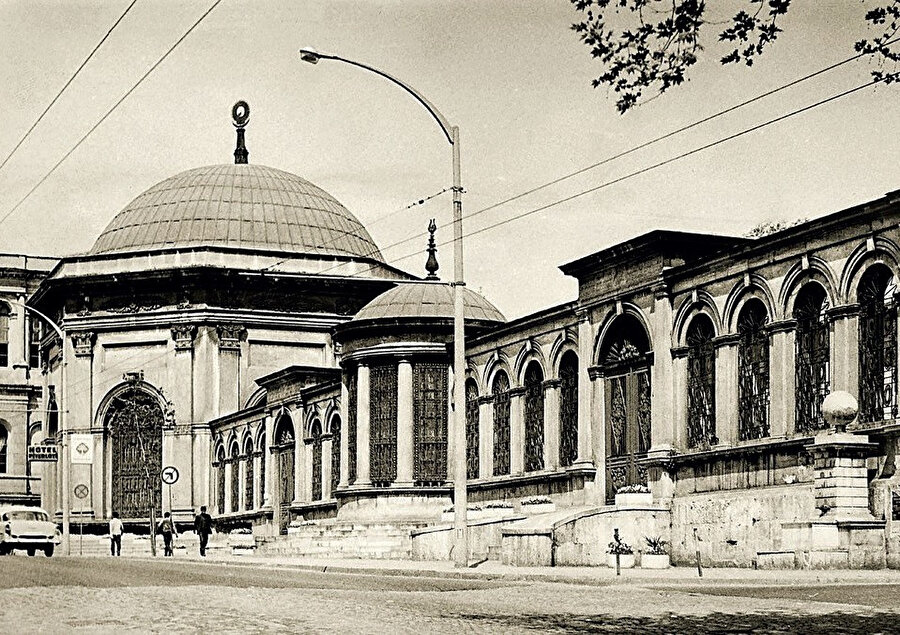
<point>501,424</point>
<point>877,345</point>
<point>812,357</point>
<point>753,372</point>
<point>568,409</point>
<point>534,418</point>
<point>701,383</point>
<point>430,422</point>
<point>472,432</point>
<point>383,422</point>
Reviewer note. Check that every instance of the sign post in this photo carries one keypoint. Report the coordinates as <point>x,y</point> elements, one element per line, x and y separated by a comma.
<point>81,492</point>
<point>170,477</point>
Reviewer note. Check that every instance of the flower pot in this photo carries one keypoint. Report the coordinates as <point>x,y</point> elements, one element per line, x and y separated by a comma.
<point>626,560</point>
<point>539,508</point>
<point>655,561</point>
<point>636,499</point>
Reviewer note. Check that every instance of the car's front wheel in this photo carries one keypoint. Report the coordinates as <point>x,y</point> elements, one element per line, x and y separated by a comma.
<point>30,552</point>
<point>48,551</point>
<point>4,550</point>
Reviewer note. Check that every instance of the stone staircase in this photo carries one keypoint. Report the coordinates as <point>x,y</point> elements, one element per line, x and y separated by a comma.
<point>343,539</point>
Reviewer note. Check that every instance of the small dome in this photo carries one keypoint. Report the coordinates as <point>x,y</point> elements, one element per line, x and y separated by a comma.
<point>243,205</point>
<point>414,300</point>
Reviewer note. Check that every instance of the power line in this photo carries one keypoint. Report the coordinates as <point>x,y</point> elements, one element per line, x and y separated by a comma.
<point>629,151</point>
<point>109,112</point>
<point>63,89</point>
<point>636,172</point>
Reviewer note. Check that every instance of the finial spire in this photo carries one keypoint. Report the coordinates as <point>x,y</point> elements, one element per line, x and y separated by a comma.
<point>240,113</point>
<point>431,266</point>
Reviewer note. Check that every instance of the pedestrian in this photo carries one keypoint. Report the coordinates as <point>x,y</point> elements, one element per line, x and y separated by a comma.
<point>203,527</point>
<point>115,535</point>
<point>167,529</point>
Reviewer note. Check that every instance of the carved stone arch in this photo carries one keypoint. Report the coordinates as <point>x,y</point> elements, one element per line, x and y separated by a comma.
<point>247,444</point>
<point>878,250</point>
<point>473,374</point>
<point>257,398</point>
<point>332,408</point>
<point>283,418</point>
<point>498,361</point>
<point>690,307</point>
<point>797,277</point>
<point>259,436</point>
<point>629,310</point>
<point>120,389</point>
<point>758,287</point>
<point>219,453</point>
<point>566,341</point>
<point>531,351</point>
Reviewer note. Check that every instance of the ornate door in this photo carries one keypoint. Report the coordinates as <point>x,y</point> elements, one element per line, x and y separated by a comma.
<point>134,423</point>
<point>627,429</point>
<point>284,456</point>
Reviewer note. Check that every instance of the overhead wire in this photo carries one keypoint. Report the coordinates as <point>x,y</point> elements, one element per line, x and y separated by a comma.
<point>109,112</point>
<point>66,85</point>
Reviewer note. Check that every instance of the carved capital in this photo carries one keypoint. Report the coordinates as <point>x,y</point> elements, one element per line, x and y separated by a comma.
<point>83,341</point>
<point>230,336</point>
<point>551,384</point>
<point>595,373</point>
<point>183,334</point>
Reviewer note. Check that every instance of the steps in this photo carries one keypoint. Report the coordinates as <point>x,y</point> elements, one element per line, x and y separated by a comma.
<point>342,539</point>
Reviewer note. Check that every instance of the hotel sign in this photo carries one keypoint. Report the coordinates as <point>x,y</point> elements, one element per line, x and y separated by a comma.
<point>46,453</point>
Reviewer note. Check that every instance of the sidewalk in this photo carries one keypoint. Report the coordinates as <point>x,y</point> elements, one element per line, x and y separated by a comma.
<point>493,570</point>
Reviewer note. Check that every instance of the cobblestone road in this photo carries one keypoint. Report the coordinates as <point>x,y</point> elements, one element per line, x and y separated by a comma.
<point>114,595</point>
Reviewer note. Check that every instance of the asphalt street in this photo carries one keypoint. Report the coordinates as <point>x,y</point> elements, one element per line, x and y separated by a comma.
<point>141,595</point>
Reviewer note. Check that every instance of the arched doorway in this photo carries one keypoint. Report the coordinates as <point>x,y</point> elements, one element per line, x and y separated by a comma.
<point>625,361</point>
<point>134,422</point>
<point>283,450</point>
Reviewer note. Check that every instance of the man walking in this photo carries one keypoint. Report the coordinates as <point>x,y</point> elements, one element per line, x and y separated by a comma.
<point>167,529</point>
<point>203,527</point>
<point>115,535</point>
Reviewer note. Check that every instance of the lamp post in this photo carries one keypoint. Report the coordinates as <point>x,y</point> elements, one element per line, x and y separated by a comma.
<point>460,494</point>
<point>63,422</point>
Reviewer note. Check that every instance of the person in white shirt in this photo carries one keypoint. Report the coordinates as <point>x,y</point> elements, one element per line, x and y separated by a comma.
<point>115,534</point>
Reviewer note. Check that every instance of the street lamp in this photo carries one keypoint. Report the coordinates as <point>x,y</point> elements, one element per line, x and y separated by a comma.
<point>64,459</point>
<point>460,495</point>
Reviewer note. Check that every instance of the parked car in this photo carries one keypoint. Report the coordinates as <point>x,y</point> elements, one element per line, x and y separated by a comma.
<point>27,528</point>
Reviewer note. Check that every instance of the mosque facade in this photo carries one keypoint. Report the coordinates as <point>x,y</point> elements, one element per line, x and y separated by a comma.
<point>734,397</point>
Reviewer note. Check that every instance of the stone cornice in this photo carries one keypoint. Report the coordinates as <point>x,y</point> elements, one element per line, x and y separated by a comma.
<point>843,311</point>
<point>782,326</point>
<point>404,350</point>
<point>729,339</point>
<point>166,317</point>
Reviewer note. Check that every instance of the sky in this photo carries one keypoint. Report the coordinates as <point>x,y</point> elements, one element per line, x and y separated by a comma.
<point>511,74</point>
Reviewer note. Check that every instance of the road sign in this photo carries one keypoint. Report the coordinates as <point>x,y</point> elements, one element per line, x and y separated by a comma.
<point>81,490</point>
<point>46,453</point>
<point>82,449</point>
<point>169,475</point>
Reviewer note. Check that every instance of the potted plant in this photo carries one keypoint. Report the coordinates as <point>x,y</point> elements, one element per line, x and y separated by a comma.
<point>537,505</point>
<point>637,495</point>
<point>656,556</point>
<point>623,550</point>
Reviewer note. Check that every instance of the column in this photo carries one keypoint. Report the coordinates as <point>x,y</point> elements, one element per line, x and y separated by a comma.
<point>726,389</point>
<point>662,406</point>
<point>18,334</point>
<point>230,336</point>
<point>268,459</point>
<point>679,396</point>
<point>585,402</point>
<point>327,444</point>
<point>345,428</point>
<point>845,348</point>
<point>405,441</point>
<point>229,467</point>
<point>516,430</point>
<point>551,424</point>
<point>597,437</point>
<point>362,426</point>
<point>486,436</point>
<point>300,476</point>
<point>242,483</point>
<point>782,413</point>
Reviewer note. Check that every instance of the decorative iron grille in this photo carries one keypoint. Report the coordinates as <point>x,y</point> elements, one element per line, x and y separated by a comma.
<point>263,454</point>
<point>220,486</point>
<point>316,476</point>
<point>335,454</point>
<point>643,413</point>
<point>351,425</point>
<point>617,416</point>
<point>286,485</point>
<point>135,421</point>
<point>430,423</point>
<point>235,463</point>
<point>753,373</point>
<point>472,433</point>
<point>383,422</point>
<point>877,346</point>
<point>568,409</point>
<point>534,418</point>
<point>812,363</point>
<point>701,384</point>
<point>248,478</point>
<point>501,424</point>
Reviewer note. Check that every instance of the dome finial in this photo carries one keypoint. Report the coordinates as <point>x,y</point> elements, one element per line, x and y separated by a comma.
<point>240,113</point>
<point>431,266</point>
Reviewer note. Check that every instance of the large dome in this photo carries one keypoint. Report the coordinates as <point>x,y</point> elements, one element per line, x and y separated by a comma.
<point>242,205</point>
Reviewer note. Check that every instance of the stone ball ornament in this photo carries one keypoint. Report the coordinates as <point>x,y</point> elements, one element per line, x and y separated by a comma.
<point>839,409</point>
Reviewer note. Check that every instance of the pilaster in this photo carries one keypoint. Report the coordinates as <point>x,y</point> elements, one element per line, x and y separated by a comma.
<point>726,390</point>
<point>845,348</point>
<point>586,404</point>
<point>516,430</point>
<point>782,413</point>
<point>486,436</point>
<point>345,436</point>
<point>551,423</point>
<point>405,431</point>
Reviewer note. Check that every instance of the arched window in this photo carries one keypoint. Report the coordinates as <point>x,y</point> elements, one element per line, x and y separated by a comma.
<point>315,432</point>
<point>383,423</point>
<point>220,480</point>
<point>877,297</point>
<point>34,343</point>
<point>52,413</point>
<point>4,440</point>
<point>501,424</point>
<point>235,478</point>
<point>430,422</point>
<point>472,422</point>
<point>811,360</point>
<point>701,427</point>
<point>262,452</point>
<point>568,409</point>
<point>249,484</point>
<point>753,372</point>
<point>335,453</point>
<point>534,417</point>
<point>4,334</point>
